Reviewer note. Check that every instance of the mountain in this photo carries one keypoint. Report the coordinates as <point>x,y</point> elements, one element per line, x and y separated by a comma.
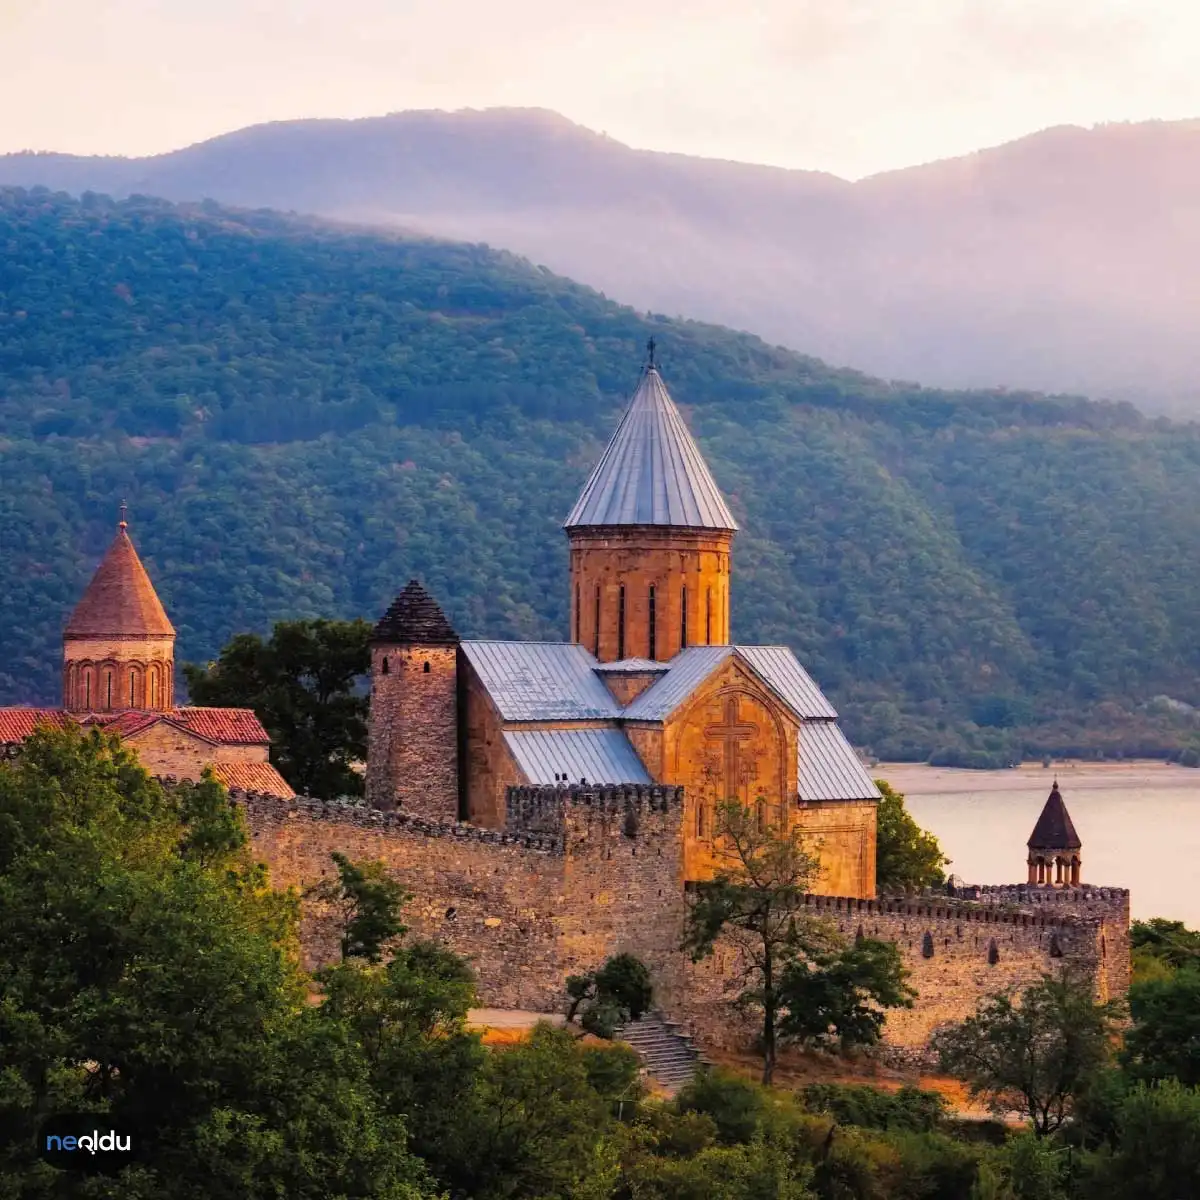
<point>1065,261</point>
<point>302,417</point>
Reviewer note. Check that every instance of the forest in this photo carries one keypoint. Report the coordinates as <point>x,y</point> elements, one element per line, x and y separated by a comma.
<point>302,416</point>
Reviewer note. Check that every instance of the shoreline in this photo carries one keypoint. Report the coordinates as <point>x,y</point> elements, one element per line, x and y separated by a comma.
<point>920,779</point>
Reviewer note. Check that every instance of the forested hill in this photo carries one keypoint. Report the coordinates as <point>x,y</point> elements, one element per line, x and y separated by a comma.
<point>301,418</point>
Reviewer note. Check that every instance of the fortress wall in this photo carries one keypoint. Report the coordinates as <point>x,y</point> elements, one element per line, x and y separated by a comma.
<point>526,910</point>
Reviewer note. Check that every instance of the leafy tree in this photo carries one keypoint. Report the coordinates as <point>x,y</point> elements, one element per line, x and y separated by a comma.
<point>906,856</point>
<point>1170,943</point>
<point>733,1104</point>
<point>756,902</point>
<point>909,1109</point>
<point>617,992</point>
<point>1163,1041</point>
<point>368,901</point>
<point>843,993</point>
<point>146,972</point>
<point>1034,1056</point>
<point>305,685</point>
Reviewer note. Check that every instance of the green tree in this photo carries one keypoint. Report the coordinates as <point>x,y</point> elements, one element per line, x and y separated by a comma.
<point>368,902</point>
<point>1169,943</point>
<point>305,684</point>
<point>906,856</point>
<point>147,972</point>
<point>617,992</point>
<point>755,901</point>
<point>1035,1056</point>
<point>843,993</point>
<point>1163,1041</point>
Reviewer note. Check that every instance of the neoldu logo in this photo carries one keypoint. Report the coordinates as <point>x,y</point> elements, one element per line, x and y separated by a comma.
<point>92,1142</point>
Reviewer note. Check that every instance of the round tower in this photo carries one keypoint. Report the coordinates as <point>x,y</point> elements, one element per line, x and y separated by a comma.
<point>118,646</point>
<point>412,731</point>
<point>650,539</point>
<point>1055,851</point>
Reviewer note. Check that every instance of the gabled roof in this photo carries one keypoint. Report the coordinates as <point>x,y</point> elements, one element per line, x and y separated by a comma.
<point>120,601</point>
<point>541,681</point>
<point>652,472</point>
<point>829,769</point>
<point>776,666</point>
<point>220,726</point>
<point>597,755</point>
<point>631,666</point>
<point>415,619</point>
<point>253,777</point>
<point>1054,829</point>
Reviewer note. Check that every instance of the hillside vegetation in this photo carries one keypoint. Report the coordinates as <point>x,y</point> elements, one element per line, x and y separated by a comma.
<point>303,417</point>
<point>1068,260</point>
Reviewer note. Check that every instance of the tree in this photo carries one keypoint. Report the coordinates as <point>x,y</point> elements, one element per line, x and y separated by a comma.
<point>1163,1041</point>
<point>617,992</point>
<point>368,901</point>
<point>843,993</point>
<point>147,972</point>
<point>906,856</point>
<point>305,685</point>
<point>1169,943</point>
<point>756,902</point>
<point>1034,1056</point>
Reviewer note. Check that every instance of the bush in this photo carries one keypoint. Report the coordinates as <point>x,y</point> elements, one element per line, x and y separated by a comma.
<point>909,1109</point>
<point>735,1104</point>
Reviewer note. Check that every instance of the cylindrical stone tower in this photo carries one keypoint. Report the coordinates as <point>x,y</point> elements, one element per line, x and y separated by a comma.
<point>650,539</point>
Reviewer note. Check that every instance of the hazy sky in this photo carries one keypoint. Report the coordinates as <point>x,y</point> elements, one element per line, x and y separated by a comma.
<point>850,86</point>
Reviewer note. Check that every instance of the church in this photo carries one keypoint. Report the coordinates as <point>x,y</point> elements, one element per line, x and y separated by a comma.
<point>119,675</point>
<point>649,689</point>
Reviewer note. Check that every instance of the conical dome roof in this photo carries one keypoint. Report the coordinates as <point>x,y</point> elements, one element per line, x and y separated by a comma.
<point>652,472</point>
<point>415,619</point>
<point>120,602</point>
<point>1054,829</point>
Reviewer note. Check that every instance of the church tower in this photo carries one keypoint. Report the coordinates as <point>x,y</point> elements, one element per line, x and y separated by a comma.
<point>118,646</point>
<point>412,733</point>
<point>1054,846</point>
<point>650,539</point>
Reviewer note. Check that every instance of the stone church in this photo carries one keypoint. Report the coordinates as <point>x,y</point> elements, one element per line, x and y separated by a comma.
<point>648,690</point>
<point>119,675</point>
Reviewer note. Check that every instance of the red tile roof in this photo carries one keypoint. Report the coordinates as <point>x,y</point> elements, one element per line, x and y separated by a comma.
<point>220,726</point>
<point>16,724</point>
<point>120,601</point>
<point>253,777</point>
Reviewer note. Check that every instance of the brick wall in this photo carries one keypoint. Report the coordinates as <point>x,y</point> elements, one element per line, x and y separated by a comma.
<point>412,757</point>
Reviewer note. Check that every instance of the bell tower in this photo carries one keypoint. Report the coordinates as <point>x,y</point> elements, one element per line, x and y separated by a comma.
<point>118,646</point>
<point>650,539</point>
<point>1055,851</point>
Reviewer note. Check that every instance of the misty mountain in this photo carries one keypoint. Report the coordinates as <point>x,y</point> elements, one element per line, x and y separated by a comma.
<point>1065,261</point>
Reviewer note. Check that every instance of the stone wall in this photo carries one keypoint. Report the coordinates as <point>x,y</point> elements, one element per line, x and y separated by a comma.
<point>488,766</point>
<point>165,749</point>
<point>412,756</point>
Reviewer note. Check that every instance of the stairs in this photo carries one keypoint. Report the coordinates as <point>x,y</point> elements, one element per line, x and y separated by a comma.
<point>669,1057</point>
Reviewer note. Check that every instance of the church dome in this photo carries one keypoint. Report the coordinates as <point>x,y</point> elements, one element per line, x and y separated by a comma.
<point>120,601</point>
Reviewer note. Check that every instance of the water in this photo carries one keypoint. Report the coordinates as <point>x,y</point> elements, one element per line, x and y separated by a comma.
<point>1139,824</point>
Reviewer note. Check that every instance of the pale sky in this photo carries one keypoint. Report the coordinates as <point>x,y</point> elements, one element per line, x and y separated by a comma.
<point>848,86</point>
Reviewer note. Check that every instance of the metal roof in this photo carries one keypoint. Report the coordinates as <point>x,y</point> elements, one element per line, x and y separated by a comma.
<point>541,681</point>
<point>776,666</point>
<point>633,666</point>
<point>828,767</point>
<point>652,472</point>
<point>597,755</point>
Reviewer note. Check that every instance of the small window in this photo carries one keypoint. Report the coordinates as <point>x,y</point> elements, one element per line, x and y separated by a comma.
<point>130,691</point>
<point>699,818</point>
<point>708,617</point>
<point>578,617</point>
<point>425,668</point>
<point>596,627</point>
<point>653,639</point>
<point>621,623</point>
<point>384,668</point>
<point>87,690</point>
<point>683,618</point>
<point>108,689</point>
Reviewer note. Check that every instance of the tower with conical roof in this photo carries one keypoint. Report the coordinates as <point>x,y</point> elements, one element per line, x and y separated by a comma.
<point>118,646</point>
<point>412,733</point>
<point>1054,846</point>
<point>650,539</point>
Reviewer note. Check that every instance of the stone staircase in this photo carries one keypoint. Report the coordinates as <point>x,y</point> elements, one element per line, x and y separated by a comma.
<point>669,1056</point>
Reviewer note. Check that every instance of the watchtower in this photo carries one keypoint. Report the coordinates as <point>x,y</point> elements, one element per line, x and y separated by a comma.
<point>1054,846</point>
<point>412,732</point>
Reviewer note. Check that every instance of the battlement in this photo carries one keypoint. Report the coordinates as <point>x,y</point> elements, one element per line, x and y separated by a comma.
<point>263,810</point>
<point>544,809</point>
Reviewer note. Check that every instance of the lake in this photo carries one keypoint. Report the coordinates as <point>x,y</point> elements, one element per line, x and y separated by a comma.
<point>1139,823</point>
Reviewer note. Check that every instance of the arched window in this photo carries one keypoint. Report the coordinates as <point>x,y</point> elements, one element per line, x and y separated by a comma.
<point>621,623</point>
<point>384,669</point>
<point>596,627</point>
<point>699,818</point>
<point>87,687</point>
<point>683,617</point>
<point>108,689</point>
<point>708,617</point>
<point>652,639</point>
<point>152,682</point>
<point>578,617</point>
<point>132,699</point>
<point>425,668</point>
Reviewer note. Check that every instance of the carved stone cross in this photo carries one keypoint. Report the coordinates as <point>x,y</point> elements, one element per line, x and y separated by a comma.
<point>731,734</point>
